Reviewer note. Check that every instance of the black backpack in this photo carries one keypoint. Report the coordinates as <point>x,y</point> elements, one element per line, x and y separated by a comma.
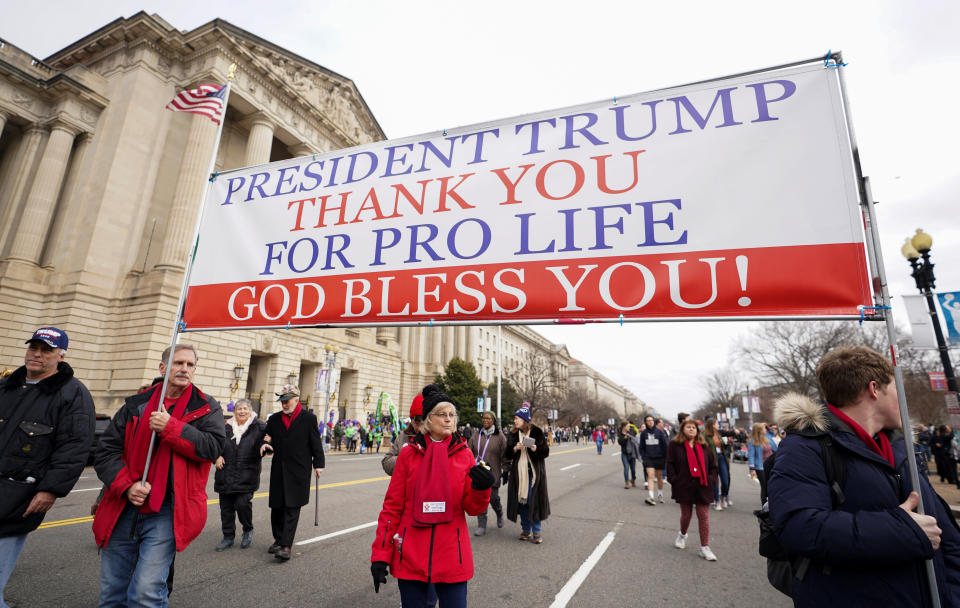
<point>782,567</point>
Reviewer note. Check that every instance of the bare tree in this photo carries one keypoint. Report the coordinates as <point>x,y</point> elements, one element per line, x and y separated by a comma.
<point>534,379</point>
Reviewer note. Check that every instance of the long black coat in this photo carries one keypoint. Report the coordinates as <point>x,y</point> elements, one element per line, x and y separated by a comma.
<point>241,463</point>
<point>683,487</point>
<point>296,452</point>
<point>539,499</point>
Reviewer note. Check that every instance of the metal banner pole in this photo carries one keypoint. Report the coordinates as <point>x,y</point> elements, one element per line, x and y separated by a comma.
<point>186,275</point>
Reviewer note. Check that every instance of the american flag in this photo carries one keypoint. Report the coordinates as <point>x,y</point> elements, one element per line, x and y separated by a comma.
<point>206,99</point>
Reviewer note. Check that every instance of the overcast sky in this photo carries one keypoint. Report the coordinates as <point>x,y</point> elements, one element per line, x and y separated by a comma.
<point>423,66</point>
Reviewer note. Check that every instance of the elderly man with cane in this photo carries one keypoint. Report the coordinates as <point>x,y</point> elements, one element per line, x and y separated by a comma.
<point>145,517</point>
<point>294,438</point>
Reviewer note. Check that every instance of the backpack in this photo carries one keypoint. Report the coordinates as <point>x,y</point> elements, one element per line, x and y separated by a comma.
<point>782,567</point>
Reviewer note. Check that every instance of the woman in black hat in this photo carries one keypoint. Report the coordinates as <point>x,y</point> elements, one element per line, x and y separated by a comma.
<point>527,496</point>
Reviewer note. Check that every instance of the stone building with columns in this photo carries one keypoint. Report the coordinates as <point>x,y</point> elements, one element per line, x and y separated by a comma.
<point>100,188</point>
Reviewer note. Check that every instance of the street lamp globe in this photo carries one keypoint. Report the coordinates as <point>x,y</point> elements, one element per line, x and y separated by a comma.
<point>922,241</point>
<point>908,250</point>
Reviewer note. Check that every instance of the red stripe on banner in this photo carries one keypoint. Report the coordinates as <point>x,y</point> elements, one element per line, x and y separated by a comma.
<point>809,280</point>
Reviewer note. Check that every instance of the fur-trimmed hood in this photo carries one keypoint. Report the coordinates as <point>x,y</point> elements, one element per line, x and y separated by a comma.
<point>798,413</point>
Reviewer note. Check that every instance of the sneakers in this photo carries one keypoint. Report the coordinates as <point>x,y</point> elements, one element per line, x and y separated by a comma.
<point>650,501</point>
<point>660,498</point>
<point>246,539</point>
<point>633,483</point>
<point>536,539</point>
<point>274,548</point>
<point>681,542</point>
<point>725,502</point>
<point>707,554</point>
<point>225,544</point>
<point>717,506</point>
<point>283,554</point>
<point>626,485</point>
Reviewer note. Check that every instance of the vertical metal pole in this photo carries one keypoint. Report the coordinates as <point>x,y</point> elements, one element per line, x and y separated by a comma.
<point>499,369</point>
<point>749,406</point>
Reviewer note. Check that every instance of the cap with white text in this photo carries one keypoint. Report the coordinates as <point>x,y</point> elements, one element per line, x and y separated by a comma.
<point>51,336</point>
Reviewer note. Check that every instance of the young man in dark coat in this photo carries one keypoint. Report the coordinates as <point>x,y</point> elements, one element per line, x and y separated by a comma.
<point>294,438</point>
<point>238,473</point>
<point>870,549</point>
<point>45,439</point>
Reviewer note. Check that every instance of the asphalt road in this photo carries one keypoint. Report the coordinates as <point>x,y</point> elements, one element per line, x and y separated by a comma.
<point>594,521</point>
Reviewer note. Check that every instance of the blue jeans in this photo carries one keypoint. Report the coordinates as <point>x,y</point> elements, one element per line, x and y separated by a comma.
<point>136,562</point>
<point>599,446</point>
<point>418,594</point>
<point>629,467</point>
<point>723,487</point>
<point>10,548</point>
<point>527,524</point>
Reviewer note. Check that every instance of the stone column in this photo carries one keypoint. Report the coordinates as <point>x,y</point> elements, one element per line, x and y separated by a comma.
<point>448,339</point>
<point>3,121</point>
<point>260,141</point>
<point>462,342</point>
<point>188,194</point>
<point>437,339</point>
<point>471,344</point>
<point>35,221</point>
<point>26,157</point>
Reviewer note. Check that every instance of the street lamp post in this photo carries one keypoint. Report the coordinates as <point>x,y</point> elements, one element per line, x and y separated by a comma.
<point>915,249</point>
<point>749,407</point>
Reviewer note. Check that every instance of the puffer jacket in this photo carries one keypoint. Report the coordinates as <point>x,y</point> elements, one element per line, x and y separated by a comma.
<point>868,551</point>
<point>241,461</point>
<point>438,553</point>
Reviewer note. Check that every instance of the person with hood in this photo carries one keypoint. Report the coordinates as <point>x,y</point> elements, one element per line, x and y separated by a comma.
<point>489,446</point>
<point>527,494</point>
<point>692,469</point>
<point>145,518</point>
<point>422,528</point>
<point>653,453</point>
<point>238,473</point>
<point>45,438</point>
<point>869,548</point>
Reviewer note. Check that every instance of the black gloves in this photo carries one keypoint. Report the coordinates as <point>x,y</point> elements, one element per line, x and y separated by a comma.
<point>505,478</point>
<point>481,478</point>
<point>379,571</point>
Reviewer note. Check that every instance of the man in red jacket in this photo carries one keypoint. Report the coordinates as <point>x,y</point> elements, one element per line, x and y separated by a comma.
<point>160,513</point>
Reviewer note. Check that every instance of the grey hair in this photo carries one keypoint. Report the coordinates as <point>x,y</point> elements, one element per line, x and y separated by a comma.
<point>240,402</point>
<point>426,419</point>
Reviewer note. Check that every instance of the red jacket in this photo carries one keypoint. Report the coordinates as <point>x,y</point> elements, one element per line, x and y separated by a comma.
<point>439,553</point>
<point>195,440</point>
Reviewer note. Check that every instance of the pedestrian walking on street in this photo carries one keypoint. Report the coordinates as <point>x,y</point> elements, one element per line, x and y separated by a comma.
<point>599,437</point>
<point>527,494</point>
<point>692,469</point>
<point>143,520</point>
<point>294,438</point>
<point>629,451</point>
<point>413,427</point>
<point>422,528</point>
<point>45,436</point>
<point>238,473</point>
<point>489,446</point>
<point>715,443</point>
<point>653,453</point>
<point>758,450</point>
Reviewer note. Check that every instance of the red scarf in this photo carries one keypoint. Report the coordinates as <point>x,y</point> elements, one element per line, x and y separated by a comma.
<point>432,498</point>
<point>288,419</point>
<point>883,449</point>
<point>160,465</point>
<point>696,462</point>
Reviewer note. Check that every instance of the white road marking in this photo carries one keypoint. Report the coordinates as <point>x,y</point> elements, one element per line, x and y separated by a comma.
<point>566,594</point>
<point>615,454</point>
<point>85,490</point>
<point>570,467</point>
<point>338,533</point>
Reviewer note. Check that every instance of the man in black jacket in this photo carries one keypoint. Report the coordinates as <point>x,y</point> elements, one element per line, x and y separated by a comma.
<point>46,428</point>
<point>294,438</point>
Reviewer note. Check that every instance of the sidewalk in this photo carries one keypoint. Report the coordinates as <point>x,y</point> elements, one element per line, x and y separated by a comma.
<point>948,491</point>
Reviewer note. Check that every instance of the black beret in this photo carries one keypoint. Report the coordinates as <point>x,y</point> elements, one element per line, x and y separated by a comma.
<point>431,397</point>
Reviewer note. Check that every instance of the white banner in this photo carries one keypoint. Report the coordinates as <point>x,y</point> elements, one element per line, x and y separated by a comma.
<point>921,326</point>
<point>735,197</point>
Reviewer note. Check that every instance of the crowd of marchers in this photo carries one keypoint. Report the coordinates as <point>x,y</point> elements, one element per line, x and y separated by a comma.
<point>840,523</point>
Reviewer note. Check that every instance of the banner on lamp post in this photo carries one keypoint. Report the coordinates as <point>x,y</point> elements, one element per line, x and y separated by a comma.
<point>619,209</point>
<point>950,305</point>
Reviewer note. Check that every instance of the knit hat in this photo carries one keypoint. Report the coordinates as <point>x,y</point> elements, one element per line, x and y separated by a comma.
<point>431,397</point>
<point>523,412</point>
<point>416,408</point>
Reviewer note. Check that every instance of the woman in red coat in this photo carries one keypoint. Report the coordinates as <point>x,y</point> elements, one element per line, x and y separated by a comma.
<point>692,471</point>
<point>422,530</point>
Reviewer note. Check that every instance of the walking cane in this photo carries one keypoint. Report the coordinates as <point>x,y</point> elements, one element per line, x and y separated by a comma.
<point>316,503</point>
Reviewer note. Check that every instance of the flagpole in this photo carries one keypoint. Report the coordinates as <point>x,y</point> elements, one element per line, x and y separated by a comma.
<point>174,338</point>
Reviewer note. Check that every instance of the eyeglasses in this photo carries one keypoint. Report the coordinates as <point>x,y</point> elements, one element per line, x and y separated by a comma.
<point>449,415</point>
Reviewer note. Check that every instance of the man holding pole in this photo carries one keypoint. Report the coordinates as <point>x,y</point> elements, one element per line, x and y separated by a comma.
<point>143,520</point>
<point>294,439</point>
<point>860,540</point>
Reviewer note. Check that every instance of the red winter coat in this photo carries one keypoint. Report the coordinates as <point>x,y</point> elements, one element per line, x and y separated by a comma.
<point>439,553</point>
<point>196,441</point>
